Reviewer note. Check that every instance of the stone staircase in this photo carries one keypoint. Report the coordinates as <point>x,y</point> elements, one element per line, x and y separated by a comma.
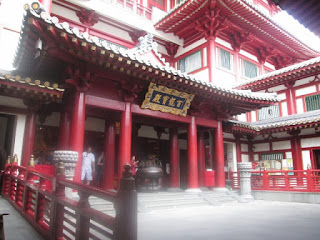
<point>166,200</point>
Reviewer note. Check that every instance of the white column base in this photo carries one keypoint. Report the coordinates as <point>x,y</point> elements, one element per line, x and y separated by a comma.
<point>193,190</point>
<point>174,190</point>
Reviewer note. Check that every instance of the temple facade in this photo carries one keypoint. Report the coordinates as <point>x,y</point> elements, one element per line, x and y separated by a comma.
<point>199,85</point>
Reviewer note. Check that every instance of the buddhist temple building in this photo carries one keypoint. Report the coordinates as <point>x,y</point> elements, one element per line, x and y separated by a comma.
<point>199,85</point>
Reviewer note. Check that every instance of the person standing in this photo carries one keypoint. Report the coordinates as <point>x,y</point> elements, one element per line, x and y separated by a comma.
<point>134,165</point>
<point>88,166</point>
<point>99,170</point>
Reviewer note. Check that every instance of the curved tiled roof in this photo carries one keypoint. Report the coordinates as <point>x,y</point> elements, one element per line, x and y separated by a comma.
<point>29,82</point>
<point>282,72</point>
<point>287,122</point>
<point>122,54</point>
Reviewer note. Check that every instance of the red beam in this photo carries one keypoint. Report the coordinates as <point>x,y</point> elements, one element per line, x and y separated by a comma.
<point>104,103</point>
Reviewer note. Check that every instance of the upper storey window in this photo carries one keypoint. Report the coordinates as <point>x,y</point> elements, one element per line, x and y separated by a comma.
<point>161,4</point>
<point>226,59</point>
<point>191,62</point>
<point>269,112</point>
<point>312,102</point>
<point>250,70</point>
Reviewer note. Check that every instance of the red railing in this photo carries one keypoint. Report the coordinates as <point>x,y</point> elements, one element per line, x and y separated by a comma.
<point>294,180</point>
<point>41,199</point>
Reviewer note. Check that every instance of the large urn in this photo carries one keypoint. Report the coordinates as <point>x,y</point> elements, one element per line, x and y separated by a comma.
<point>70,159</point>
<point>149,178</point>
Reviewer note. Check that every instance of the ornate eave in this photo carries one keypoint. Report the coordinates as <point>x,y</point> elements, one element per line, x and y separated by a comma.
<point>282,124</point>
<point>292,73</point>
<point>26,88</point>
<point>240,16</point>
<point>68,44</point>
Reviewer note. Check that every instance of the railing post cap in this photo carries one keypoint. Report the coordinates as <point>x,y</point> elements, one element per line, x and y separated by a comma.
<point>31,163</point>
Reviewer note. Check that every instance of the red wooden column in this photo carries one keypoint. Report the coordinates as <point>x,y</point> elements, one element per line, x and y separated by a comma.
<point>219,151</point>
<point>109,153</point>
<point>211,48</point>
<point>237,65</point>
<point>47,5</point>
<point>77,130</point>
<point>201,159</point>
<point>238,148</point>
<point>296,150</point>
<point>174,159</point>
<point>290,97</point>
<point>64,131</point>
<point>28,141</point>
<point>192,155</point>
<point>125,138</point>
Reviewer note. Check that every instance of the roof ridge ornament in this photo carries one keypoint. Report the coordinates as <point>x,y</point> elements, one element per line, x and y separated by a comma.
<point>145,44</point>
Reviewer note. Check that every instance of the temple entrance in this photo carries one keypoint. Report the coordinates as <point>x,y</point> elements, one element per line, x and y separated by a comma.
<point>7,125</point>
<point>316,159</point>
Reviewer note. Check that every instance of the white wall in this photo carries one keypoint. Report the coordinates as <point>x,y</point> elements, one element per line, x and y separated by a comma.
<point>281,145</point>
<point>310,142</point>
<point>19,134</point>
<point>306,159</point>
<point>260,147</point>
<point>244,148</point>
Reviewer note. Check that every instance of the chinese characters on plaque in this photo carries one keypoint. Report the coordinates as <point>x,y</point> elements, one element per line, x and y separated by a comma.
<point>161,98</point>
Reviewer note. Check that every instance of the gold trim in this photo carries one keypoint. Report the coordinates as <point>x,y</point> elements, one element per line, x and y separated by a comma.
<point>147,104</point>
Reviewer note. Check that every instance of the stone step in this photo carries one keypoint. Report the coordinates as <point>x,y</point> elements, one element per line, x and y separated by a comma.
<point>169,194</point>
<point>175,202</point>
<point>181,204</point>
<point>169,199</point>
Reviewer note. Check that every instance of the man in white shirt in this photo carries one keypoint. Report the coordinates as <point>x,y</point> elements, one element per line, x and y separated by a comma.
<point>88,166</point>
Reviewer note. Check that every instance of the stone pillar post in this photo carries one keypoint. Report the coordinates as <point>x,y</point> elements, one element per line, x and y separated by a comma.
<point>69,160</point>
<point>244,169</point>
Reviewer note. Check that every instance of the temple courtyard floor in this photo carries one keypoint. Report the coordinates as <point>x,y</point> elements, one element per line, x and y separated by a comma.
<point>248,221</point>
<point>257,220</point>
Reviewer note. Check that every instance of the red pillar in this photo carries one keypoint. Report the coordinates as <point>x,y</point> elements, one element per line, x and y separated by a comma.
<point>192,154</point>
<point>296,153</point>
<point>219,151</point>
<point>125,138</point>
<point>110,148</point>
<point>47,5</point>
<point>238,149</point>
<point>290,97</point>
<point>28,141</point>
<point>237,65</point>
<point>211,48</point>
<point>77,130</point>
<point>201,159</point>
<point>174,159</point>
<point>64,131</point>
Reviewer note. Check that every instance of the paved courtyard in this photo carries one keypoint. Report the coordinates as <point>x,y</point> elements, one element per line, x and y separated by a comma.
<point>251,221</point>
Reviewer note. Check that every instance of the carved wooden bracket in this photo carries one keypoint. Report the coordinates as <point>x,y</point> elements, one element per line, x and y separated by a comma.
<point>160,131</point>
<point>283,61</point>
<point>130,90</point>
<point>136,34</point>
<point>212,24</point>
<point>263,53</point>
<point>238,39</point>
<point>294,132</point>
<point>81,80</point>
<point>289,84</point>
<point>33,105</point>
<point>171,48</point>
<point>87,17</point>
